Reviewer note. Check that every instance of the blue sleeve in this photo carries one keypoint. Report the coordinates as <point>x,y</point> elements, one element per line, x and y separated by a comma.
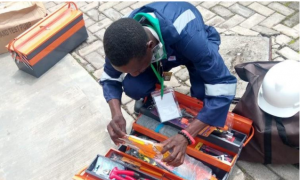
<point>200,44</point>
<point>111,81</point>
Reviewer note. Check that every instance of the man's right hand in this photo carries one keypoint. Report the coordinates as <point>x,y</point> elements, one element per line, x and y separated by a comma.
<point>117,129</point>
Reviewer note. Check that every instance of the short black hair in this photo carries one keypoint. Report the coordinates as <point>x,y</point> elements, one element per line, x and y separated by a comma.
<point>123,40</point>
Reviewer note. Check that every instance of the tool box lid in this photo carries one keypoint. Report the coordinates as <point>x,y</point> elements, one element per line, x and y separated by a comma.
<point>39,33</point>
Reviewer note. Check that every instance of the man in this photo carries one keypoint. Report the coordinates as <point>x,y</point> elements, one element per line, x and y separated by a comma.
<point>172,34</point>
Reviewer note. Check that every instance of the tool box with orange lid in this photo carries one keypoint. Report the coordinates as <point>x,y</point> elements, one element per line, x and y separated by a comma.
<point>40,47</point>
<point>216,150</point>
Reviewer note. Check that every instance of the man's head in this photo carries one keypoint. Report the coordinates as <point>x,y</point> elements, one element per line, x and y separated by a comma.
<point>127,46</point>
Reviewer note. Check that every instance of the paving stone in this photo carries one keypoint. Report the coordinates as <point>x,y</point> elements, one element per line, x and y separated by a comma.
<point>90,48</point>
<point>215,21</point>
<point>81,46</point>
<point>95,59</point>
<point>294,5</point>
<point>227,3</point>
<point>89,68</point>
<point>99,25</point>
<point>172,83</point>
<point>289,53</point>
<point>261,9</point>
<point>107,5</point>
<point>85,17</point>
<point>286,30</point>
<point>94,14</point>
<point>126,11</point>
<point>241,10</point>
<point>296,27</point>
<point>101,51</point>
<point>175,69</point>
<point>244,31</point>
<point>49,5</point>
<point>286,171</point>
<point>237,173</point>
<point>245,3</point>
<point>273,39</point>
<point>112,14</point>
<point>91,38</point>
<point>279,59</point>
<point>252,21</point>
<point>265,2</point>
<point>98,73</point>
<point>54,8</point>
<point>230,33</point>
<point>209,4</point>
<point>295,45</point>
<point>89,6</point>
<point>235,20</point>
<point>125,99</point>
<point>274,55</point>
<point>182,89</point>
<point>123,5</point>
<point>292,21</point>
<point>139,4</point>
<point>195,3</point>
<point>220,30</point>
<point>100,34</point>
<point>206,14</point>
<point>101,17</point>
<point>275,46</point>
<point>281,8</point>
<point>224,12</point>
<point>88,22</point>
<point>59,2</point>
<point>264,30</point>
<point>273,20</point>
<point>79,59</point>
<point>282,39</point>
<point>183,74</point>
<point>80,4</point>
<point>257,171</point>
<point>130,107</point>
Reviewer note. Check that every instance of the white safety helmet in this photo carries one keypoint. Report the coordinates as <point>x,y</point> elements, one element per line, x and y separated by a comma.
<point>279,92</point>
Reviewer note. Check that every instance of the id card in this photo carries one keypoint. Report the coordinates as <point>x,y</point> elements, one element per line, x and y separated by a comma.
<point>167,107</point>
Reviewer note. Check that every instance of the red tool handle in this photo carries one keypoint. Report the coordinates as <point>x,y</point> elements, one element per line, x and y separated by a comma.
<point>115,174</point>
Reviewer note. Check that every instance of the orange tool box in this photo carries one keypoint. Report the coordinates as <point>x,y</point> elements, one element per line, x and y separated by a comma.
<point>241,127</point>
<point>40,47</point>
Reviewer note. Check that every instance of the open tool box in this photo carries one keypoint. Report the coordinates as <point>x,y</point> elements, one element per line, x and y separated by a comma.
<point>241,129</point>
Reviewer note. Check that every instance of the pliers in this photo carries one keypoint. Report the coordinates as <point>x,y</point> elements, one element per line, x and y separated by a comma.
<point>124,175</point>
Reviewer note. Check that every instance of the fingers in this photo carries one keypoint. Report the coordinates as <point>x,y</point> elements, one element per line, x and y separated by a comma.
<point>166,145</point>
<point>117,130</point>
<point>113,135</point>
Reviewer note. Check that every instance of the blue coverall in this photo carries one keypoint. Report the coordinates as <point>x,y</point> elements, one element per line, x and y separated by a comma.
<point>191,43</point>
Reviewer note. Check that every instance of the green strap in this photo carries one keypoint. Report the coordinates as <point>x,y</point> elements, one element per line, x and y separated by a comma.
<point>160,79</point>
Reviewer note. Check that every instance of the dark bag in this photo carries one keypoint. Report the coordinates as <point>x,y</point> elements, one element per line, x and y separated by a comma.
<point>276,140</point>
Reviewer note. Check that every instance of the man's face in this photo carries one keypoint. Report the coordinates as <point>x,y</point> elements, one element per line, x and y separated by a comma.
<point>137,66</point>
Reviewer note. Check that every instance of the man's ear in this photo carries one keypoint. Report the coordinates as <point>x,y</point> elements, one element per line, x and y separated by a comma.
<point>150,44</point>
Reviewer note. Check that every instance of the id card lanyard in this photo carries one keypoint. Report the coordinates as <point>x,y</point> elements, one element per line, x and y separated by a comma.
<point>159,77</point>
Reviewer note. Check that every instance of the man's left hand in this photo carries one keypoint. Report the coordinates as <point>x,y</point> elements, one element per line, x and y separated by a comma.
<point>177,144</point>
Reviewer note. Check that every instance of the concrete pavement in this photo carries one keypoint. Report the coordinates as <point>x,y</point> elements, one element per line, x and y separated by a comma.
<point>53,126</point>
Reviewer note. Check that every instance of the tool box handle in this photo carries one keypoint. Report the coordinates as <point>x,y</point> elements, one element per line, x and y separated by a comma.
<point>79,176</point>
<point>12,42</point>
<point>250,137</point>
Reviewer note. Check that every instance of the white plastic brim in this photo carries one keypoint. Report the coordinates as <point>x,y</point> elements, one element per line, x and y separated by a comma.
<point>275,111</point>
